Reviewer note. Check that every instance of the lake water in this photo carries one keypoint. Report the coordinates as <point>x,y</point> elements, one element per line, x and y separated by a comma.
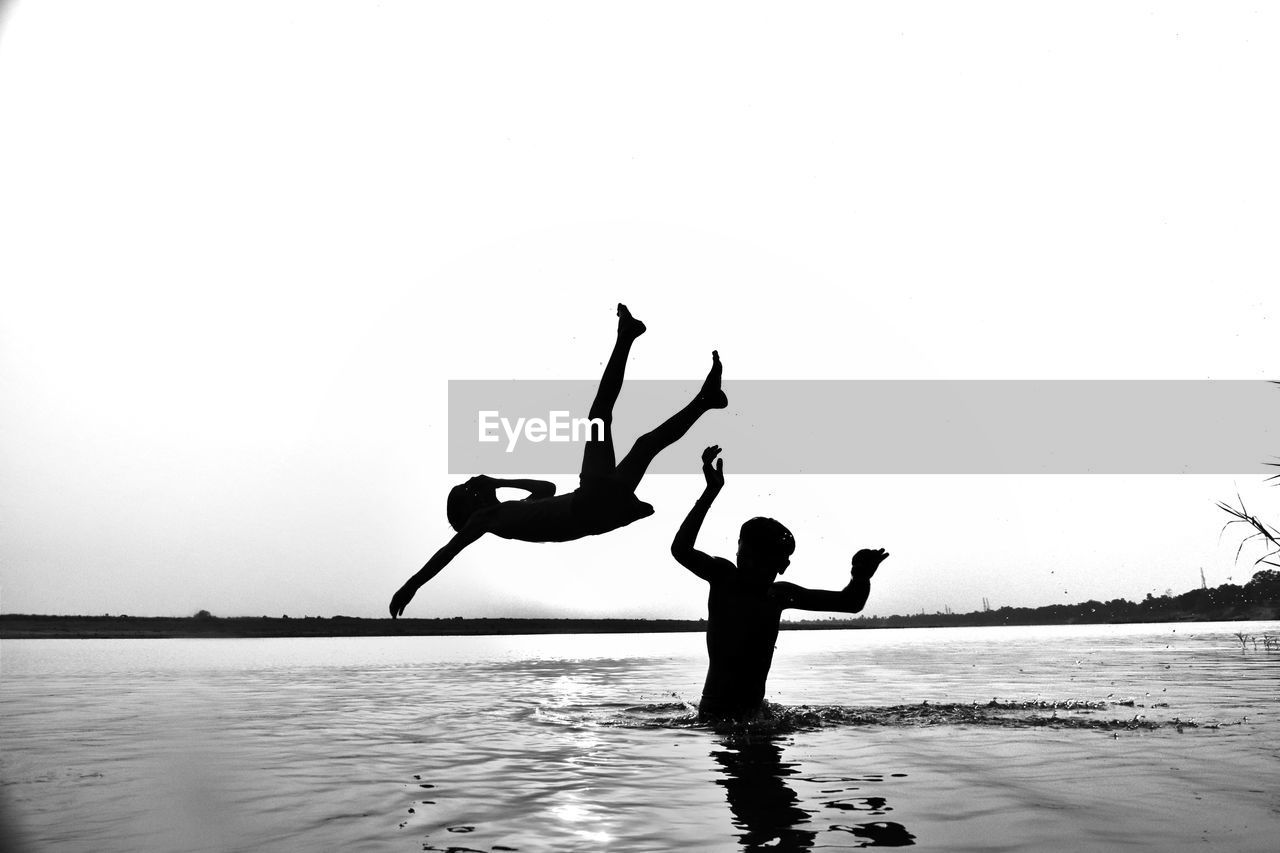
<point>1161,737</point>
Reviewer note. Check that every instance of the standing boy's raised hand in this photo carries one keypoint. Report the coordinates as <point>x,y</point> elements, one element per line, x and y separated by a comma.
<point>866,561</point>
<point>714,475</point>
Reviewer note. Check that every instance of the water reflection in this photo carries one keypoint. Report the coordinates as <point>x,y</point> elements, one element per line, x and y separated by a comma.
<point>769,811</point>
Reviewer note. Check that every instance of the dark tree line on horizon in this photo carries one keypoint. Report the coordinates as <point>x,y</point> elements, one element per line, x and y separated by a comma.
<point>1257,599</point>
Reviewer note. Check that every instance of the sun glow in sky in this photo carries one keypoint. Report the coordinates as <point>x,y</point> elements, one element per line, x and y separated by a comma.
<point>243,247</point>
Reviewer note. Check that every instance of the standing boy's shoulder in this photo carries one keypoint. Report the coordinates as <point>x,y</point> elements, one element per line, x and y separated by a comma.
<point>784,593</point>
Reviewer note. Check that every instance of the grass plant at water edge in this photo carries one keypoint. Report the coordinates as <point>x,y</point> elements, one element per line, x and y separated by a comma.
<point>1270,642</point>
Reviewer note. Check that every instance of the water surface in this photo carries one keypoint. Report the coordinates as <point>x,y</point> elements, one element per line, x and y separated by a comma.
<point>1101,737</point>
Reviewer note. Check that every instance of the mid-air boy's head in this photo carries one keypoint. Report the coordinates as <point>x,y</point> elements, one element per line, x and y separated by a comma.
<point>765,546</point>
<point>466,498</point>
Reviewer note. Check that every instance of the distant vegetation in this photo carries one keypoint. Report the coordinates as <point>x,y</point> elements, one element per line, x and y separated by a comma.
<point>1258,599</point>
<point>22,626</point>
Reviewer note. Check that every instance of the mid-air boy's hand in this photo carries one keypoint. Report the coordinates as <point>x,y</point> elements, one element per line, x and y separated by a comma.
<point>866,561</point>
<point>401,600</point>
<point>714,475</point>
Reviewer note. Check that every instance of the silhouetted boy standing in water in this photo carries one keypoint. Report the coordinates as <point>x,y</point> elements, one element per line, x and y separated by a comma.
<point>745,603</point>
<point>606,495</point>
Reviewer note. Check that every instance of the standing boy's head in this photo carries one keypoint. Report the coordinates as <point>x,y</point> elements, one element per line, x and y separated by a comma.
<point>765,547</point>
<point>466,498</point>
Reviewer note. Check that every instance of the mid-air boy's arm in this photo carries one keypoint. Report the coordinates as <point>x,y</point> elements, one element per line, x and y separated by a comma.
<point>703,565</point>
<point>851,599</point>
<point>476,527</point>
<point>535,488</point>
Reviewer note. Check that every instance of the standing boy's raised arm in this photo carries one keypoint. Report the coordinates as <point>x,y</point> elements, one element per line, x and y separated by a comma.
<point>851,599</point>
<point>703,565</point>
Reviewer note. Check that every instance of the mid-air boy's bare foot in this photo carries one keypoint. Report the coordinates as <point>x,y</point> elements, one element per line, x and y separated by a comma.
<point>711,396</point>
<point>628,326</point>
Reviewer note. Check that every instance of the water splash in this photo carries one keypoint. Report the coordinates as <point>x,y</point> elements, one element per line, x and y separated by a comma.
<point>782,719</point>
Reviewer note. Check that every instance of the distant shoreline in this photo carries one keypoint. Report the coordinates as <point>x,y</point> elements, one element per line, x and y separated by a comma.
<point>1258,600</point>
<point>31,627</point>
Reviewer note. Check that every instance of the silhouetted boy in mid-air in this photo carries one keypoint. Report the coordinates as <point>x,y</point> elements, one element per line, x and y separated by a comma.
<point>606,495</point>
<point>746,604</point>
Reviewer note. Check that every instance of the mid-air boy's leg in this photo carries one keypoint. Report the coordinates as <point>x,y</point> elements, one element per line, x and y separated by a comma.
<point>631,469</point>
<point>597,455</point>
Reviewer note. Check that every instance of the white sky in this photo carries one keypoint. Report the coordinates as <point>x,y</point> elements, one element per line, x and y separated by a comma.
<point>243,245</point>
